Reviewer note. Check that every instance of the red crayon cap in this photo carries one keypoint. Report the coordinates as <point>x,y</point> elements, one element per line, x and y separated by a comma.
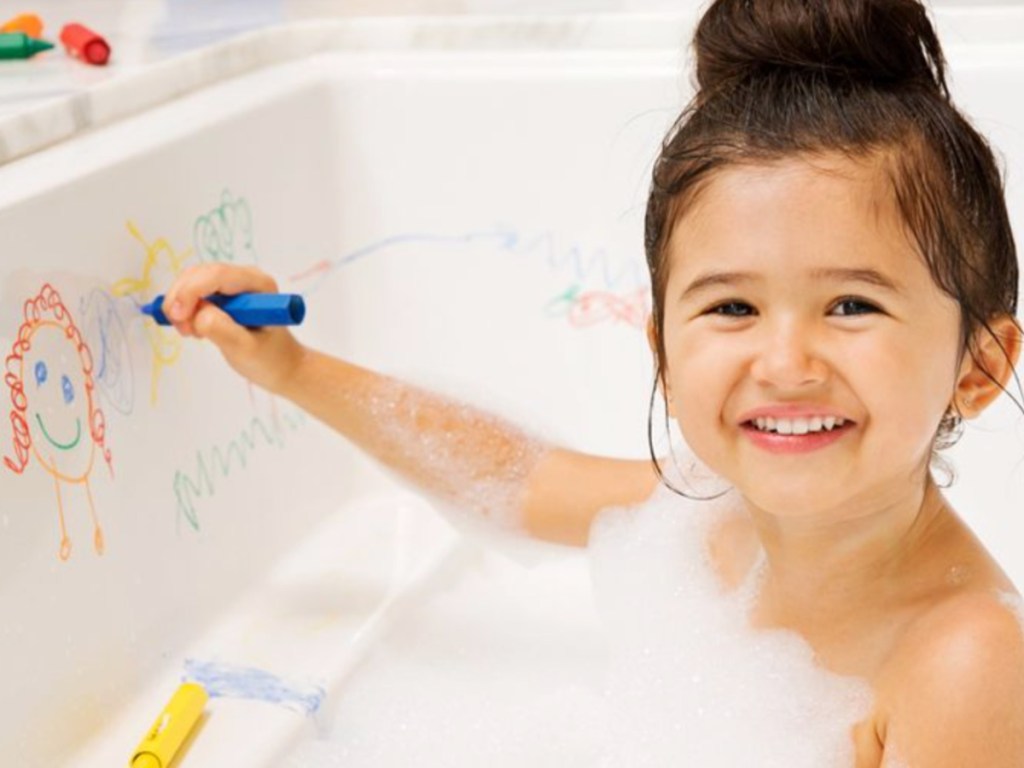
<point>82,43</point>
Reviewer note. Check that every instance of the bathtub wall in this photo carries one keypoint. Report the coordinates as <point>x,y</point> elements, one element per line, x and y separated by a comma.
<point>490,251</point>
<point>174,482</point>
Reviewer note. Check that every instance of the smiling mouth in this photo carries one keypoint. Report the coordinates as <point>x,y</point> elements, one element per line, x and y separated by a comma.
<point>799,427</point>
<point>803,438</point>
<point>54,443</point>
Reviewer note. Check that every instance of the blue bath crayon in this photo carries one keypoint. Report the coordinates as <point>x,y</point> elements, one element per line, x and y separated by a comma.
<point>249,309</point>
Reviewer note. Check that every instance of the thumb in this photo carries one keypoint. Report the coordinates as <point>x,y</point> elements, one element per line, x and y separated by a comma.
<point>211,322</point>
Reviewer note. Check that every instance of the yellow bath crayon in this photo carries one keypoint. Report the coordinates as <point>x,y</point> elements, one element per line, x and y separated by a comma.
<point>172,727</point>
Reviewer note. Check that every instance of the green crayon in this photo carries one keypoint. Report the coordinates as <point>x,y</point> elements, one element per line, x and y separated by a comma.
<point>18,45</point>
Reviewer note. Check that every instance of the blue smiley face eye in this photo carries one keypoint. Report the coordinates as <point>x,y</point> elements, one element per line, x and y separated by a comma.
<point>67,389</point>
<point>40,373</point>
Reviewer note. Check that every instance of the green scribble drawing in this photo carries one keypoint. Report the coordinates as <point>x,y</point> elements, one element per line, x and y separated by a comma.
<point>225,233</point>
<point>218,462</point>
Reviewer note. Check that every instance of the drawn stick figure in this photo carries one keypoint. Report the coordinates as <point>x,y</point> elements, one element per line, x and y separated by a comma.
<point>54,415</point>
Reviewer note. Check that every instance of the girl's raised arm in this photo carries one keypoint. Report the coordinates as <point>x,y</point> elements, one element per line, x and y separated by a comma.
<point>461,454</point>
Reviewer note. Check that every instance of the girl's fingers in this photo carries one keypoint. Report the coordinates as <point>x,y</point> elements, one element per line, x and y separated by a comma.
<point>182,300</point>
<point>214,324</point>
<point>185,328</point>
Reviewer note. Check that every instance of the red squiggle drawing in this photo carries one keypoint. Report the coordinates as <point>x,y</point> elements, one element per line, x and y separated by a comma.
<point>584,309</point>
<point>48,410</point>
<point>321,268</point>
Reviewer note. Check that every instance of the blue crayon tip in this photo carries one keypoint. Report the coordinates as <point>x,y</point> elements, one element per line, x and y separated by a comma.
<point>253,310</point>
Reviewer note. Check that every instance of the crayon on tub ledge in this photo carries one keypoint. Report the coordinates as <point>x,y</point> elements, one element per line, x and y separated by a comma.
<point>172,727</point>
<point>18,45</point>
<point>84,44</point>
<point>27,23</point>
<point>253,310</point>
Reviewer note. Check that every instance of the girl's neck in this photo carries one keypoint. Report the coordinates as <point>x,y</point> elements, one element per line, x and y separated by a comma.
<point>817,570</point>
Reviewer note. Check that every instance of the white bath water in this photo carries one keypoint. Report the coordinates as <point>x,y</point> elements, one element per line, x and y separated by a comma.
<point>503,665</point>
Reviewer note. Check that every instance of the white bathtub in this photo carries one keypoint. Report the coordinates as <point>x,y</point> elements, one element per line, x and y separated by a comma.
<point>461,202</point>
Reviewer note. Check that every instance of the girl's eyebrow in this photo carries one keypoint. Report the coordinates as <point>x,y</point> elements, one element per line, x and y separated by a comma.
<point>836,274</point>
<point>859,275</point>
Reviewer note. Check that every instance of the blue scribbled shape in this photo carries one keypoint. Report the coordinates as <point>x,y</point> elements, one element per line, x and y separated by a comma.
<point>107,337</point>
<point>233,681</point>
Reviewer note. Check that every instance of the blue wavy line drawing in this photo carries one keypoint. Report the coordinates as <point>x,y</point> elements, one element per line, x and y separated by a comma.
<point>581,264</point>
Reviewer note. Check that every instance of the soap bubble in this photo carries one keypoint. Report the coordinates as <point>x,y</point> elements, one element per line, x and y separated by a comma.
<point>641,656</point>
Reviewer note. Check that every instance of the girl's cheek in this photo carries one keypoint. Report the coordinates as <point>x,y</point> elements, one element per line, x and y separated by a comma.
<point>703,353</point>
<point>701,378</point>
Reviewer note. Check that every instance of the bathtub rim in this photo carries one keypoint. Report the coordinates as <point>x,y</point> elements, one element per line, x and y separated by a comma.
<point>998,30</point>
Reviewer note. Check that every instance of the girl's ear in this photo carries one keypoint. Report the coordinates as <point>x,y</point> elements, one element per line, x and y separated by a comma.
<point>666,391</point>
<point>984,374</point>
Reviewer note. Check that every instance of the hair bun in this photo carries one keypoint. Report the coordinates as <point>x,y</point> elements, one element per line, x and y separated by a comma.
<point>884,42</point>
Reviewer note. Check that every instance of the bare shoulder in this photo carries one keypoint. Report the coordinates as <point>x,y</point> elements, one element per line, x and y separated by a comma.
<point>952,692</point>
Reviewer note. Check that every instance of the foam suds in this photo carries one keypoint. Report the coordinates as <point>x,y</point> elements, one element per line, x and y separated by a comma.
<point>475,463</point>
<point>691,683</point>
<point>499,666</point>
<point>491,670</point>
<point>1014,603</point>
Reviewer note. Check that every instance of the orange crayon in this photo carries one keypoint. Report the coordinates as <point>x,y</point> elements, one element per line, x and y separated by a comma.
<point>28,23</point>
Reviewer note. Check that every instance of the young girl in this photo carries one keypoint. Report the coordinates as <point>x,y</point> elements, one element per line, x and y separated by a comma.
<point>834,287</point>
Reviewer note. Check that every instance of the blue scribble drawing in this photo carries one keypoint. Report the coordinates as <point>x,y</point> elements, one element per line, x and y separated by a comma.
<point>589,266</point>
<point>237,682</point>
<point>104,329</point>
<point>225,233</point>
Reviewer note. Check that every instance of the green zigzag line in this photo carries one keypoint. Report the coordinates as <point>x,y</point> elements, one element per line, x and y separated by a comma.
<point>188,488</point>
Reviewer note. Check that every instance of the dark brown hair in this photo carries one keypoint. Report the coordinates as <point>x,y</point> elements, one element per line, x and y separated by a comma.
<point>865,78</point>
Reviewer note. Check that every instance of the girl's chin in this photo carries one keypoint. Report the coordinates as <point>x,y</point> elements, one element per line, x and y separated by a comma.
<point>790,503</point>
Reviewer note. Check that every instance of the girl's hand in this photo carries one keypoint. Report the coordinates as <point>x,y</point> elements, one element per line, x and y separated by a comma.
<point>265,356</point>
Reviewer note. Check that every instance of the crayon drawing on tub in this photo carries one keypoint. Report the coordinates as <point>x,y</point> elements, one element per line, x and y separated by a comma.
<point>54,414</point>
<point>160,264</point>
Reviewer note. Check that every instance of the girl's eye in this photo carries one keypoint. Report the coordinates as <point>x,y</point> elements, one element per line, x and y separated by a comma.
<point>41,373</point>
<point>731,309</point>
<point>853,306</point>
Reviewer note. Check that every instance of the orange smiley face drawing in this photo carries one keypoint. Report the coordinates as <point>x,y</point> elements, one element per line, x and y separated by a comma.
<point>55,418</point>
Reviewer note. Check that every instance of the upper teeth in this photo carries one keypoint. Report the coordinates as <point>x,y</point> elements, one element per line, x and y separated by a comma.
<point>798,426</point>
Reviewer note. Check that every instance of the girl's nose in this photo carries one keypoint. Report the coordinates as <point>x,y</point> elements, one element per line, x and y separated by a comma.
<point>788,358</point>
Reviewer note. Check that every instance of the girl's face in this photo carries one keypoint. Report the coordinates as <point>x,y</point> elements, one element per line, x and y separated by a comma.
<point>795,294</point>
